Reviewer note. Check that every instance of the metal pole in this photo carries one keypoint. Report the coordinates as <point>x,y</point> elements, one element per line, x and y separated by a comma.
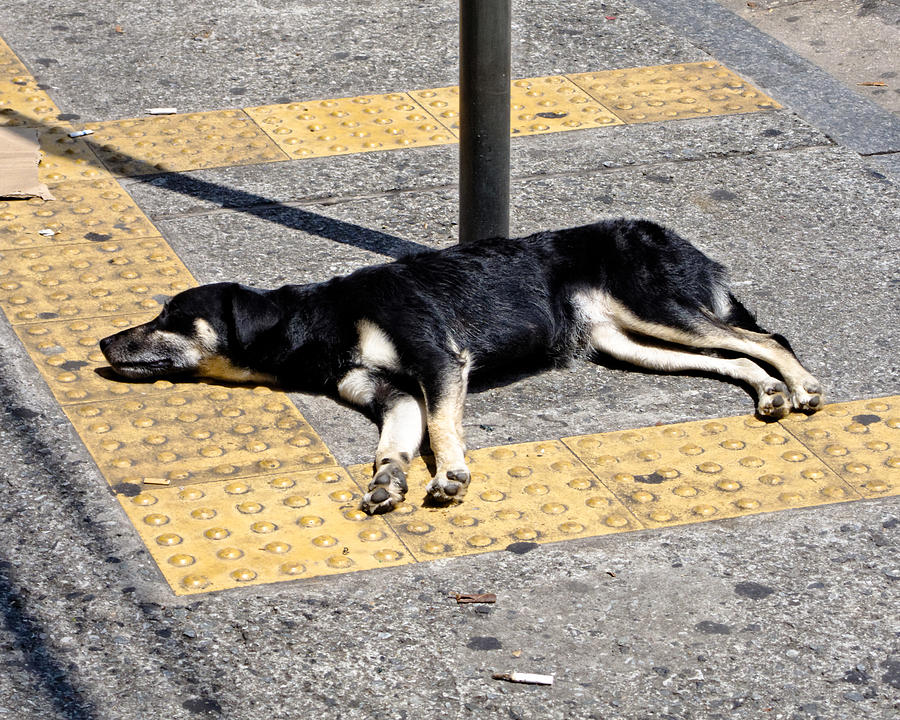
<point>484,69</point>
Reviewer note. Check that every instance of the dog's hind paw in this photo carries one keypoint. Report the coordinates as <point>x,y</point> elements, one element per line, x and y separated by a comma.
<point>808,397</point>
<point>386,490</point>
<point>773,401</point>
<point>448,486</point>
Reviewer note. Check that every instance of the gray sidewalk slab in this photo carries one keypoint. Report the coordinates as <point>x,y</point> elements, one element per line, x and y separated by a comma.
<point>240,54</point>
<point>788,615</point>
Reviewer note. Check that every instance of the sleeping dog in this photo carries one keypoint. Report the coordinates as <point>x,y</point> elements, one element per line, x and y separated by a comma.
<point>401,340</point>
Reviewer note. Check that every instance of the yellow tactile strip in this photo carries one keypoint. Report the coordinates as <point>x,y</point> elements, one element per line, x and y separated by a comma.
<point>174,143</point>
<point>540,492</point>
<point>89,263</point>
<point>350,125</point>
<point>261,529</point>
<point>538,105</point>
<point>860,441</point>
<point>531,492</point>
<point>95,210</point>
<point>418,118</point>
<point>89,279</point>
<point>673,92</point>
<point>193,437</point>
<point>709,469</point>
<point>368,123</point>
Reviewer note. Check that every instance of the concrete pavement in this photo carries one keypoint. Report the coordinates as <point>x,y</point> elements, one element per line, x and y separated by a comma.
<point>791,614</point>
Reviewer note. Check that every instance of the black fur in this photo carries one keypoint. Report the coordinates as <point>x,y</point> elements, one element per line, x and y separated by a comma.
<point>505,301</point>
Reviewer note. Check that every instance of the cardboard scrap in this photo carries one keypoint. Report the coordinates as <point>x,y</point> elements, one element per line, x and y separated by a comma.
<point>20,155</point>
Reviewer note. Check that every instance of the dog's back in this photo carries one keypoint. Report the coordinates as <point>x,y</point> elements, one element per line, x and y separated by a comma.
<point>526,299</point>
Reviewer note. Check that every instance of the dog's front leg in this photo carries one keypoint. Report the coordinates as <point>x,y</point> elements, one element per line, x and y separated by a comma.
<point>445,396</point>
<point>402,428</point>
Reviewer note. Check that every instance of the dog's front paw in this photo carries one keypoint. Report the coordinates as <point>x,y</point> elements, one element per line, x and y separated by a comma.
<point>773,401</point>
<point>808,396</point>
<point>386,491</point>
<point>448,486</point>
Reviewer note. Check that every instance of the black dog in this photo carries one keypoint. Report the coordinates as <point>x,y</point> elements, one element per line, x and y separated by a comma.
<point>401,340</point>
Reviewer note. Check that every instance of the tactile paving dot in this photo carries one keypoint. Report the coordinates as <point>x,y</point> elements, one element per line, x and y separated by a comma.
<point>670,92</point>
<point>709,469</point>
<point>263,529</point>
<point>532,492</point>
<point>181,142</point>
<point>538,105</point>
<point>92,210</point>
<point>350,125</point>
<point>212,433</point>
<point>89,279</point>
<point>67,355</point>
<point>859,440</point>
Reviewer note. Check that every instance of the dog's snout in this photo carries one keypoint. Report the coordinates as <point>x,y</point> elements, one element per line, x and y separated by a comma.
<point>105,343</point>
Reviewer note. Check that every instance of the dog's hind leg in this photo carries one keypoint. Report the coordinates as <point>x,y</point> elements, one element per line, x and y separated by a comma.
<point>445,395</point>
<point>607,337</point>
<point>733,328</point>
<point>806,390</point>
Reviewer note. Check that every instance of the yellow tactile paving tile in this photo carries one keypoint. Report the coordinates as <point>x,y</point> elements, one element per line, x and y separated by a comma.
<point>671,92</point>
<point>10,65</point>
<point>259,530</point>
<point>22,102</point>
<point>173,143</point>
<point>67,159</point>
<point>197,435</point>
<point>859,440</point>
<point>531,492</point>
<point>539,105</point>
<point>707,470</point>
<point>350,125</point>
<point>66,354</point>
<point>92,210</point>
<point>89,279</point>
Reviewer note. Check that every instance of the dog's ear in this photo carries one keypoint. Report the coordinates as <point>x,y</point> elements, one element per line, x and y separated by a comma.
<point>253,313</point>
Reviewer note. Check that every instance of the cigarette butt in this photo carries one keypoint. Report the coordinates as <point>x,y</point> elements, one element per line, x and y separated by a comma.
<point>46,232</point>
<point>162,111</point>
<point>80,133</point>
<point>484,598</point>
<point>528,678</point>
<point>157,481</point>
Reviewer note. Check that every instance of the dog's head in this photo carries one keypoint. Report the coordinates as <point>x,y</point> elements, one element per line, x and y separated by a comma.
<point>205,331</point>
